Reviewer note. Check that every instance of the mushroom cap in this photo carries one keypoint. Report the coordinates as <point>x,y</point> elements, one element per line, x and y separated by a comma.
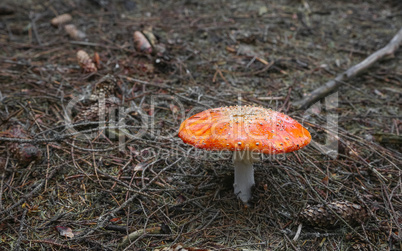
<point>239,128</point>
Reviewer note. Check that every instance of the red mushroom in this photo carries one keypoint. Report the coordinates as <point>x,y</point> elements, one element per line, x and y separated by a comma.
<point>244,130</point>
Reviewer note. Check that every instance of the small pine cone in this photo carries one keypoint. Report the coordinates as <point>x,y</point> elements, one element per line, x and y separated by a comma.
<point>85,61</point>
<point>321,215</point>
<point>88,114</point>
<point>357,244</point>
<point>17,132</point>
<point>141,43</point>
<point>73,32</point>
<point>147,31</point>
<point>24,153</point>
<point>61,19</point>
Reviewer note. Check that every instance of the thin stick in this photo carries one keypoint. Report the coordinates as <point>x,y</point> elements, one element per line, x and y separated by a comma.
<point>355,70</point>
<point>138,233</point>
<point>297,235</point>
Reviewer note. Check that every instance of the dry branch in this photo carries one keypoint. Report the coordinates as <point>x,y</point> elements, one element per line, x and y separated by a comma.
<point>355,70</point>
<point>138,233</point>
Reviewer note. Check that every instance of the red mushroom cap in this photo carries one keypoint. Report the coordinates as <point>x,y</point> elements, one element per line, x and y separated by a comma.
<point>238,128</point>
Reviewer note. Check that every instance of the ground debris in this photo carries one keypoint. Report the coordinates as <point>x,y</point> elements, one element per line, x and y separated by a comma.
<point>105,182</point>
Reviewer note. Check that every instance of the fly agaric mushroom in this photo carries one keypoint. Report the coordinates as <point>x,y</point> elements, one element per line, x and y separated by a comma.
<point>245,130</point>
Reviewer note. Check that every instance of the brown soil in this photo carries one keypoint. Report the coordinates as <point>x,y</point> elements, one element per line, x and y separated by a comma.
<point>207,54</point>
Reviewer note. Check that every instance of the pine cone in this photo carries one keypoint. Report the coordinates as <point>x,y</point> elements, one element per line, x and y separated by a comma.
<point>321,215</point>
<point>85,61</point>
<point>106,88</point>
<point>358,244</point>
<point>102,100</point>
<point>92,112</point>
<point>141,43</point>
<point>24,153</point>
<point>73,32</point>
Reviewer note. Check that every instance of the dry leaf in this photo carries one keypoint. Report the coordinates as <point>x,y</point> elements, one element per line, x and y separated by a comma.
<point>139,167</point>
<point>325,180</point>
<point>65,231</point>
<point>116,220</point>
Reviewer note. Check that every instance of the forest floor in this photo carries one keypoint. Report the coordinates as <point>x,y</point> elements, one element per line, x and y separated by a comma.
<point>139,187</point>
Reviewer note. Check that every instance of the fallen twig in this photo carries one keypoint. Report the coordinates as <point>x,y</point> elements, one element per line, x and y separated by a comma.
<point>330,86</point>
<point>138,233</point>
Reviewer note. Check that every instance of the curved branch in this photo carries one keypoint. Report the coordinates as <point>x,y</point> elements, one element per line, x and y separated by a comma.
<point>332,85</point>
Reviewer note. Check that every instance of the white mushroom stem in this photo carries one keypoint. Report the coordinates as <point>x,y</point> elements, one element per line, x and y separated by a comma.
<point>244,174</point>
